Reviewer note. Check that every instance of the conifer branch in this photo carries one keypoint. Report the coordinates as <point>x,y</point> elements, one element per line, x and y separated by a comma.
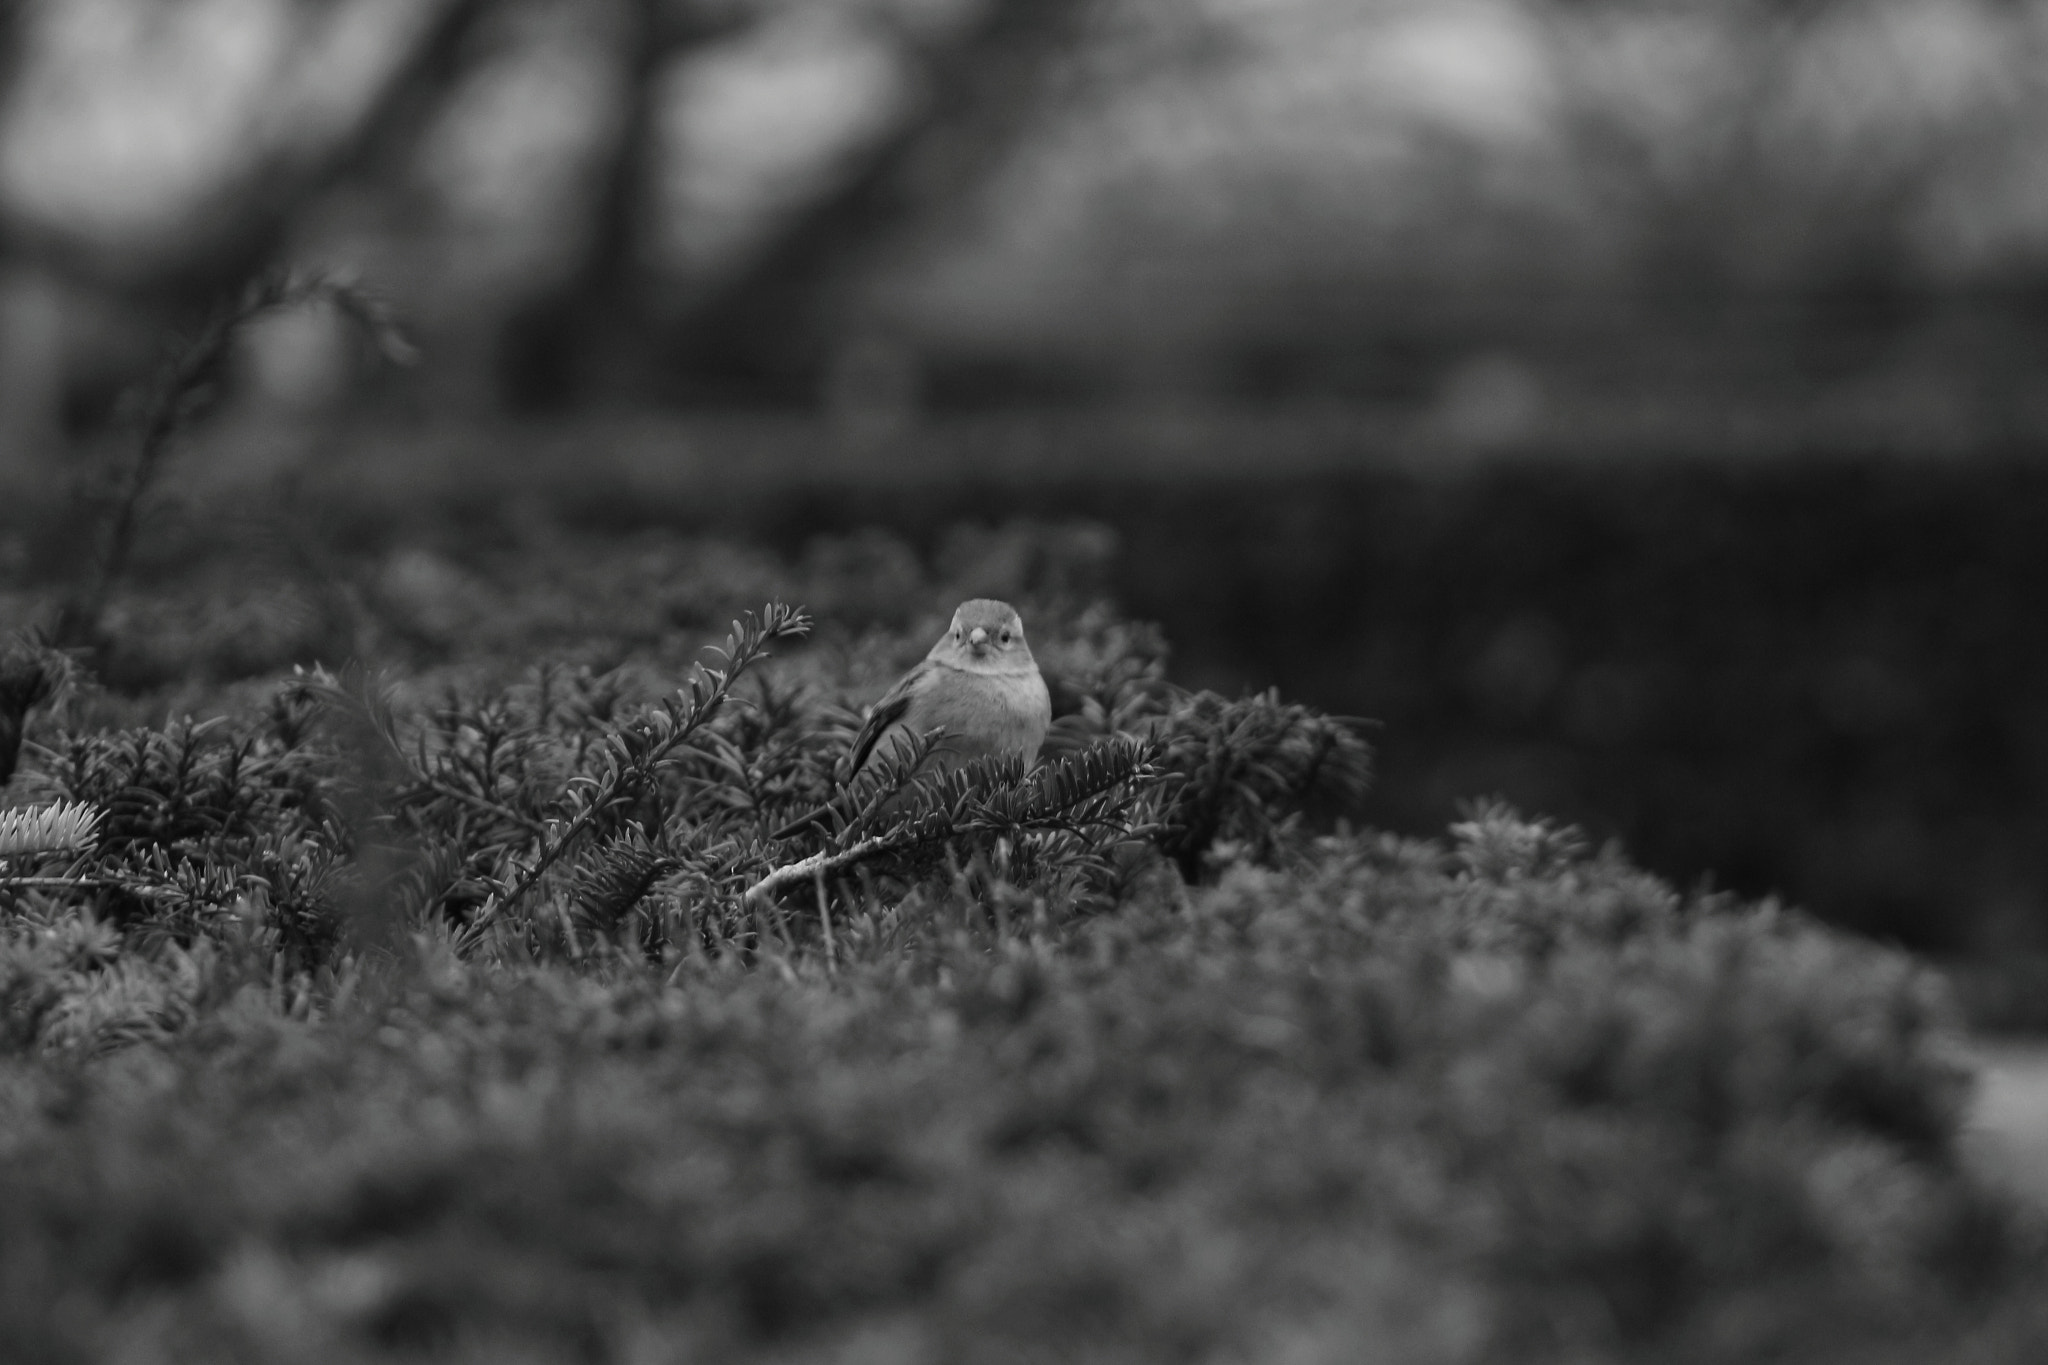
<point>991,796</point>
<point>635,751</point>
<point>356,694</point>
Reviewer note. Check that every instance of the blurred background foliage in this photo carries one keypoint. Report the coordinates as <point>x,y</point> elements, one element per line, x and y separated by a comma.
<point>1629,403</point>
<point>1522,214</point>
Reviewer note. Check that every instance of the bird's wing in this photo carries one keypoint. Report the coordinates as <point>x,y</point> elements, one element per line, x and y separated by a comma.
<point>890,710</point>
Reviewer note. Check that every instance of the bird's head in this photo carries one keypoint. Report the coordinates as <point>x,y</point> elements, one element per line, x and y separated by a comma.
<point>986,636</point>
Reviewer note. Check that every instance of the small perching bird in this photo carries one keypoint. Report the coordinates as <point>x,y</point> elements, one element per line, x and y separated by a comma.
<point>979,688</point>
<point>979,684</point>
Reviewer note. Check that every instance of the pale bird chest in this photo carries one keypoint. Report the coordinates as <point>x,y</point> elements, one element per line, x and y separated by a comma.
<point>1001,714</point>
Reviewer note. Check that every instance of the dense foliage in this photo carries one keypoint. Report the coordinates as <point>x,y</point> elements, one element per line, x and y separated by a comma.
<point>1816,675</point>
<point>454,1011</point>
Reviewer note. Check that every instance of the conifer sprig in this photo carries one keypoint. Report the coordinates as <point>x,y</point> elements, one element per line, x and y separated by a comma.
<point>357,695</point>
<point>632,754</point>
<point>61,827</point>
<point>1250,765</point>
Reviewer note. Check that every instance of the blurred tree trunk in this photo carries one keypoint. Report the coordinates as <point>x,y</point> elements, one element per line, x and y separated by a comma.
<point>11,12</point>
<point>31,376</point>
<point>30,336</point>
<point>769,332</point>
<point>589,337</point>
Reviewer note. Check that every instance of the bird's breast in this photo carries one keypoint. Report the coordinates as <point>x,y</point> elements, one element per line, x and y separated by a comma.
<point>999,714</point>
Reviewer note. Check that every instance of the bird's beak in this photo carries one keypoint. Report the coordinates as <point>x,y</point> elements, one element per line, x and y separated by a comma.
<point>978,636</point>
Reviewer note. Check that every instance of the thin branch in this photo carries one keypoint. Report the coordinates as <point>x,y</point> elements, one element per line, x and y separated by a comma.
<point>818,865</point>
<point>182,389</point>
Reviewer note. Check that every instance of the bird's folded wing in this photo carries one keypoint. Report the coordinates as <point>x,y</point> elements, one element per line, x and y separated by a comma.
<point>890,710</point>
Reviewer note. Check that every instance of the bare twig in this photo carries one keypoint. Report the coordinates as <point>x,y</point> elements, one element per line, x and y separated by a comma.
<point>179,395</point>
<point>818,865</point>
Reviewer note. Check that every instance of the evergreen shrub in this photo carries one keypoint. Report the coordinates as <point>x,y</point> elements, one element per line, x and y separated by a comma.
<point>456,1011</point>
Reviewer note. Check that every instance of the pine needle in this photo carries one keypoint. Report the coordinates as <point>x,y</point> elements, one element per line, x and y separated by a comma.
<point>62,827</point>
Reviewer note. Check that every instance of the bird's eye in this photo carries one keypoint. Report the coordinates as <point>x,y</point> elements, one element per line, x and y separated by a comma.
<point>1006,637</point>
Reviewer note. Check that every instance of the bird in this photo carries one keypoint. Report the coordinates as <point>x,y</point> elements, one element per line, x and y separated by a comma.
<point>979,687</point>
